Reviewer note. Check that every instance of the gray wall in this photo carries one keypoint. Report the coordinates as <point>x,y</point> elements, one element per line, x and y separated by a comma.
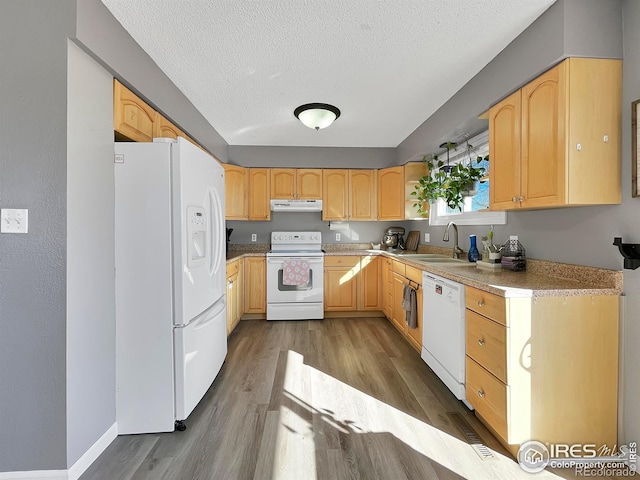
<point>90,255</point>
<point>624,223</point>
<point>33,135</point>
<point>311,157</point>
<point>569,27</point>
<point>111,45</point>
<point>357,232</point>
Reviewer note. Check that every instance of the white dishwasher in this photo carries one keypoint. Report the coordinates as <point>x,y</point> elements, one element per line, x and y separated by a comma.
<point>443,331</point>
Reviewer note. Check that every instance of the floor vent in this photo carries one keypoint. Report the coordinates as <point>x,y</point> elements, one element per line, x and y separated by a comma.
<point>471,436</point>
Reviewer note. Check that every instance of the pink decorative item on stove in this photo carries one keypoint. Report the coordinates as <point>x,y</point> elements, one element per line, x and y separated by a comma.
<point>295,272</point>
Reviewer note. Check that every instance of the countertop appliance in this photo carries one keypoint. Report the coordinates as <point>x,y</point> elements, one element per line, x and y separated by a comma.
<point>296,205</point>
<point>443,331</point>
<point>393,238</point>
<point>171,337</point>
<point>295,276</point>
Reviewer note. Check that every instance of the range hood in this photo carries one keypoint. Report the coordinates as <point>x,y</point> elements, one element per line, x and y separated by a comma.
<point>296,205</point>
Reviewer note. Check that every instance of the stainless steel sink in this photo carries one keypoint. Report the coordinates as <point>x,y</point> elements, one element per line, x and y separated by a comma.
<point>446,260</point>
<point>421,256</point>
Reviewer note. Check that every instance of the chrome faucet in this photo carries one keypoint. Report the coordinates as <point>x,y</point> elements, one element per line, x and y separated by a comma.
<point>457,251</point>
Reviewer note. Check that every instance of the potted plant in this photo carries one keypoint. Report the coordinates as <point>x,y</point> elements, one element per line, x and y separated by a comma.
<point>451,183</point>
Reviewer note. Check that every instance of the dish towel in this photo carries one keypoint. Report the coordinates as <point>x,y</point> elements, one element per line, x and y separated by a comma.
<point>410,306</point>
<point>295,272</point>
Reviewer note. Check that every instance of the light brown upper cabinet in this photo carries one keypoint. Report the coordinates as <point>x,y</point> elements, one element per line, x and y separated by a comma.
<point>296,183</point>
<point>556,141</point>
<point>133,119</point>
<point>391,193</point>
<point>362,195</point>
<point>236,183</point>
<point>335,194</point>
<point>165,129</point>
<point>348,194</point>
<point>258,198</point>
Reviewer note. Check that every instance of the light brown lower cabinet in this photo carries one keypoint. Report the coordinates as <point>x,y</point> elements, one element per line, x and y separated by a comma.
<point>235,296</point>
<point>351,283</point>
<point>543,368</point>
<point>403,275</point>
<point>255,291</point>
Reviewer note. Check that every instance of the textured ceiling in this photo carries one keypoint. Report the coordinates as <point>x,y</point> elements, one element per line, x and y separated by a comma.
<point>387,64</point>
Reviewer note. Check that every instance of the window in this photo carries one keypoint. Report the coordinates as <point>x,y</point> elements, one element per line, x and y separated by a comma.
<point>476,209</point>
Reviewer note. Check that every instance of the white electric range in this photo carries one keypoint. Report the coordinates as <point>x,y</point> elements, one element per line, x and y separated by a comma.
<point>295,276</point>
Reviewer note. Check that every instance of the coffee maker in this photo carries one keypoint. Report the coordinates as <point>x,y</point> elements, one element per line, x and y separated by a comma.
<point>393,238</point>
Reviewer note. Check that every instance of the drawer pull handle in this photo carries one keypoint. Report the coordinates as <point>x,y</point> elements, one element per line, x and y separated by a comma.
<point>480,393</point>
<point>480,342</point>
<point>480,303</point>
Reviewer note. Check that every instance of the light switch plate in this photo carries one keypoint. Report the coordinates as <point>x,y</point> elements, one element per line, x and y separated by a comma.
<point>14,220</point>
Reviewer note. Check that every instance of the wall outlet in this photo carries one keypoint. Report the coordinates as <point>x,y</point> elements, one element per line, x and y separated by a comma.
<point>337,237</point>
<point>14,220</point>
<point>254,237</point>
<point>427,238</point>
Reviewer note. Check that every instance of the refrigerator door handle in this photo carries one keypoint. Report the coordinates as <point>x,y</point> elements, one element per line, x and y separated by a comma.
<point>215,225</point>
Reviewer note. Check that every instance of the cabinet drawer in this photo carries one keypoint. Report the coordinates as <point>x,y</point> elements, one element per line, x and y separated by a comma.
<point>341,261</point>
<point>414,274</point>
<point>486,304</point>
<point>233,268</point>
<point>488,396</point>
<point>399,267</point>
<point>486,344</point>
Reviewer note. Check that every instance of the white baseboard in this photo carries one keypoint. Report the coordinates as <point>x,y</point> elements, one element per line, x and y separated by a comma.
<point>94,452</point>
<point>76,470</point>
<point>35,475</point>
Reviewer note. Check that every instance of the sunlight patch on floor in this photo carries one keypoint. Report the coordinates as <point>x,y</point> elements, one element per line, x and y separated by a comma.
<point>308,391</point>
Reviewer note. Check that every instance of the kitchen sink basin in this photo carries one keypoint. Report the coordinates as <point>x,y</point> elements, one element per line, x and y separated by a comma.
<point>421,256</point>
<point>445,260</point>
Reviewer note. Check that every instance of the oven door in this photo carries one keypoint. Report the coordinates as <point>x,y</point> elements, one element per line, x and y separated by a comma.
<point>311,292</point>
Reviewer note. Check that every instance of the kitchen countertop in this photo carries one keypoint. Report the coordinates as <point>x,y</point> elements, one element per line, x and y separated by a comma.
<point>542,279</point>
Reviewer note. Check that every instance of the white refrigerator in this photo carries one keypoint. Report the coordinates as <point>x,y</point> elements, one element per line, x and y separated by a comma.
<point>171,338</point>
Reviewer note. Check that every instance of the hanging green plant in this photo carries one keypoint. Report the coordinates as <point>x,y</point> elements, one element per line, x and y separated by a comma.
<point>451,184</point>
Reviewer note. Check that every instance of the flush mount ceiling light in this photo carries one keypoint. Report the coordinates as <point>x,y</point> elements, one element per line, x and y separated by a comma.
<point>317,115</point>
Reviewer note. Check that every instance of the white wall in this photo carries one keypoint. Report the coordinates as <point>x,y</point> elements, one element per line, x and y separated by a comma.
<point>90,254</point>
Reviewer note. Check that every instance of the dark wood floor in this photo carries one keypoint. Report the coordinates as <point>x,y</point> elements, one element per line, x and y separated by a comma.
<point>327,399</point>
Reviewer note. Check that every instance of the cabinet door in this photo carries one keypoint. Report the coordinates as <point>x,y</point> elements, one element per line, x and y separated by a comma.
<point>414,335</point>
<point>362,195</point>
<point>239,290</point>
<point>283,183</point>
<point>398,315</point>
<point>309,183</point>
<point>387,288</point>
<point>255,293</point>
<point>133,118</point>
<point>232,304</point>
<point>335,185</point>
<point>163,128</point>
<point>391,194</point>
<point>341,283</point>
<point>259,187</point>
<point>369,295</point>
<point>504,145</point>
<point>235,184</point>
<point>543,139</point>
